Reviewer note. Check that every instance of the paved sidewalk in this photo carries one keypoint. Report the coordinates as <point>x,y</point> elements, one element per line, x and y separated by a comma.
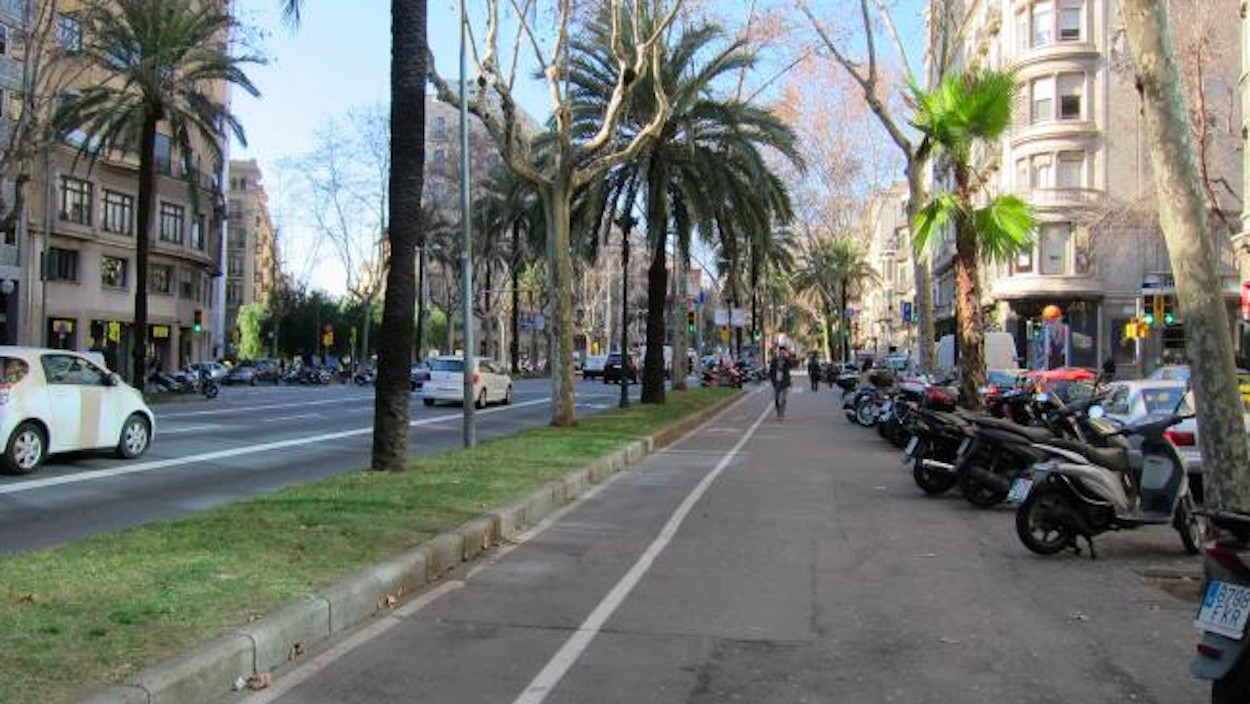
<point>811,570</point>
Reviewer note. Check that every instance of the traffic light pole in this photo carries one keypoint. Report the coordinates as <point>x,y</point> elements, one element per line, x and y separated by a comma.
<point>466,252</point>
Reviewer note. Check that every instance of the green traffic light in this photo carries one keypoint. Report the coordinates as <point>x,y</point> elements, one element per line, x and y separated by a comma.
<point>1169,318</point>
<point>1148,318</point>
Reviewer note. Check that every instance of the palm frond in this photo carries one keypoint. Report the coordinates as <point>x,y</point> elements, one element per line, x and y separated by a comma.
<point>944,209</point>
<point>1004,227</point>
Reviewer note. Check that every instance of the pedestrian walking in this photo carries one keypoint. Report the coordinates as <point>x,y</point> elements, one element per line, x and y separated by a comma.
<point>813,371</point>
<point>779,375</point>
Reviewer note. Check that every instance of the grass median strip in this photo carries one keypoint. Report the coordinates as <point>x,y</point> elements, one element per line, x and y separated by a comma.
<point>100,609</point>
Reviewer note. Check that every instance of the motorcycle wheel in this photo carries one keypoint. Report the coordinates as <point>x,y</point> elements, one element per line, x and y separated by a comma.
<point>979,494</point>
<point>932,481</point>
<point>866,413</point>
<point>210,391</point>
<point>1234,687</point>
<point>1190,527</point>
<point>1036,522</point>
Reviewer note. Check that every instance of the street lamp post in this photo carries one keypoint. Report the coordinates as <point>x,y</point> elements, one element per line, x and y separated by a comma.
<point>466,252</point>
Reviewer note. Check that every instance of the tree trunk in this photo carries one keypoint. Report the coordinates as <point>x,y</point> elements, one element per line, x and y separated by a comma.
<point>560,275</point>
<point>394,386</point>
<point>515,341</point>
<point>1195,266</point>
<point>143,238</point>
<point>829,337</point>
<point>844,330</point>
<point>918,195</point>
<point>657,282</point>
<point>968,300</point>
<point>366,321</point>
<point>422,304</point>
<point>681,266</point>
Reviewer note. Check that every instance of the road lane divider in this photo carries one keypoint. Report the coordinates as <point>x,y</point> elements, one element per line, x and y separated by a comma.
<point>122,470</point>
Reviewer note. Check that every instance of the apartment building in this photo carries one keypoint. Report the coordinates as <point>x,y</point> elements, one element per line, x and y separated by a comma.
<point>1076,152</point>
<point>75,258</point>
<point>12,22</point>
<point>251,245</point>
<point>888,317</point>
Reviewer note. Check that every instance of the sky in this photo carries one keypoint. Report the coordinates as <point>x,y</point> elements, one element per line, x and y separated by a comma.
<point>338,59</point>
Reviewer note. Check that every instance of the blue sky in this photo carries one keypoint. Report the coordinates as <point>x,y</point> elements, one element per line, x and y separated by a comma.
<point>339,59</point>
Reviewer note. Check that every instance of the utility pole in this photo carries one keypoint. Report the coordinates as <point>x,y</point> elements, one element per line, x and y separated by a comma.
<point>466,251</point>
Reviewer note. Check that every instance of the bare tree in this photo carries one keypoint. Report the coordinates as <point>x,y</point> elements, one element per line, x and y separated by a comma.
<point>1183,217</point>
<point>571,163</point>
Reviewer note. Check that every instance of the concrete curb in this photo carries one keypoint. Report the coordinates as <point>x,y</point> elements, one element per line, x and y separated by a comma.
<point>210,671</point>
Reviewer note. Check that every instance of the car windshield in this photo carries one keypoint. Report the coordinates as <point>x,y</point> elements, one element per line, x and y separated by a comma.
<point>1001,378</point>
<point>447,365</point>
<point>1161,400</point>
<point>14,369</point>
<point>1178,373</point>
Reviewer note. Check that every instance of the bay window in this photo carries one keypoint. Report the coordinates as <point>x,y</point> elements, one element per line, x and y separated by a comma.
<point>1071,170</point>
<point>1053,248</point>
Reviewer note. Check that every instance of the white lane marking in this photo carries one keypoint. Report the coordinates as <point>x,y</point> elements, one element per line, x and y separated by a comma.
<point>265,407</point>
<point>186,429</point>
<point>547,679</point>
<point>385,623</point>
<point>295,417</point>
<point>17,487</point>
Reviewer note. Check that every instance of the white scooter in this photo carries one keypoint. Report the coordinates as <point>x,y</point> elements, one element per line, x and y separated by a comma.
<point>1082,491</point>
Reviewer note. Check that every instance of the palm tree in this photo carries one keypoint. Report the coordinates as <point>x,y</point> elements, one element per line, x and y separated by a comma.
<point>833,270</point>
<point>687,156</point>
<point>963,111</point>
<point>509,205</point>
<point>409,69</point>
<point>164,63</point>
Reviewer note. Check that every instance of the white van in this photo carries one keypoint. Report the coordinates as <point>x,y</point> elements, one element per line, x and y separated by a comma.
<point>1000,351</point>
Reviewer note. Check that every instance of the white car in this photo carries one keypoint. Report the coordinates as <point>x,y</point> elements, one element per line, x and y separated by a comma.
<point>58,401</point>
<point>1127,401</point>
<point>491,382</point>
<point>593,368</point>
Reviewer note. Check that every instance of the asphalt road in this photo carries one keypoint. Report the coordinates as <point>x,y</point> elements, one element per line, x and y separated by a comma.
<point>769,562</point>
<point>250,440</point>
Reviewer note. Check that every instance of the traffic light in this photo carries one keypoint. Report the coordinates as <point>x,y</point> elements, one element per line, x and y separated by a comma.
<point>1148,310</point>
<point>197,326</point>
<point>1169,313</point>
<point>756,335</point>
<point>690,324</point>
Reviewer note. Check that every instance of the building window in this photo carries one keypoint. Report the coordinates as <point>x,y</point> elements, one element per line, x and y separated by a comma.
<point>171,223</point>
<point>164,154</point>
<point>197,232</point>
<point>76,201</point>
<point>236,265</point>
<point>4,39</point>
<point>188,284</point>
<point>1054,248</point>
<point>1071,170</point>
<point>1041,171</point>
<point>119,210</point>
<point>160,279</point>
<point>1071,86</point>
<point>112,272</point>
<point>1071,17</point>
<point>62,264</point>
<point>440,127</point>
<point>69,33</point>
<point>234,293</point>
<point>1043,22</point>
<point>1024,262</point>
<point>1043,96</point>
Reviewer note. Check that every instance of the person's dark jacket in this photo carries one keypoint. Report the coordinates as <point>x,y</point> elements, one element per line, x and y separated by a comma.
<point>779,372</point>
<point>813,367</point>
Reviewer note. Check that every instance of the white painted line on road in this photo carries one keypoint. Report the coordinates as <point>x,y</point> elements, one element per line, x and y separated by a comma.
<point>265,407</point>
<point>297,416</point>
<point>186,429</point>
<point>547,679</point>
<point>306,671</point>
<point>29,485</point>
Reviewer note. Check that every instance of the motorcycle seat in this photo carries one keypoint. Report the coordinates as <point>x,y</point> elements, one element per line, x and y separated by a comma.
<point>1027,431</point>
<point>1113,458</point>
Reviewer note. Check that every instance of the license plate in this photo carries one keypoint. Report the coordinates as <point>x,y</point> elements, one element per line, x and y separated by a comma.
<point>1224,609</point>
<point>1020,489</point>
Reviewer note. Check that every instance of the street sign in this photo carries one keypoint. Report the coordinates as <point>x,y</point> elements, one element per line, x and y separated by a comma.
<point>907,311</point>
<point>721,317</point>
<point>738,318</point>
<point>327,339</point>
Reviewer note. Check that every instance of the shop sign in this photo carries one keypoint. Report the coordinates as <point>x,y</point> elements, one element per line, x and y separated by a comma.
<point>160,332</point>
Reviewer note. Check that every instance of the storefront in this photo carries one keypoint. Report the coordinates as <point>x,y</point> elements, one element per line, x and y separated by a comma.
<point>62,333</point>
<point>1070,339</point>
<point>111,338</point>
<point>160,346</point>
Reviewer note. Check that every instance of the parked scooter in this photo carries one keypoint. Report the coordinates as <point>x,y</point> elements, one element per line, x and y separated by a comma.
<point>1081,491</point>
<point>1222,654</point>
<point>365,377</point>
<point>186,382</point>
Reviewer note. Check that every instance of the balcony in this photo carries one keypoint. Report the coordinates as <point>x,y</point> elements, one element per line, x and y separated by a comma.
<point>1057,286</point>
<point>1077,131</point>
<point>1065,197</point>
<point>1055,51</point>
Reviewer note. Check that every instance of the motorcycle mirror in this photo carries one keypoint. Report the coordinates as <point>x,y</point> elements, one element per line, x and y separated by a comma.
<point>1097,412</point>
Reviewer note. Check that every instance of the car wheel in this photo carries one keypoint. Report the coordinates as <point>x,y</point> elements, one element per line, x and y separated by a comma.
<point>428,401</point>
<point>135,438</point>
<point>507,399</point>
<point>27,448</point>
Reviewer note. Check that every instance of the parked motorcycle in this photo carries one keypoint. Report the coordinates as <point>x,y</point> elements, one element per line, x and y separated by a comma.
<point>1080,491</point>
<point>185,383</point>
<point>365,377</point>
<point>1221,655</point>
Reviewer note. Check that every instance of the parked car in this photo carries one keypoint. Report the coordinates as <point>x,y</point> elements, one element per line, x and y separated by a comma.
<point>58,401</point>
<point>260,371</point>
<point>216,370</point>
<point>593,368</point>
<point>1180,372</point>
<point>1184,436</point>
<point>419,374</point>
<point>612,369</point>
<point>491,382</point>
